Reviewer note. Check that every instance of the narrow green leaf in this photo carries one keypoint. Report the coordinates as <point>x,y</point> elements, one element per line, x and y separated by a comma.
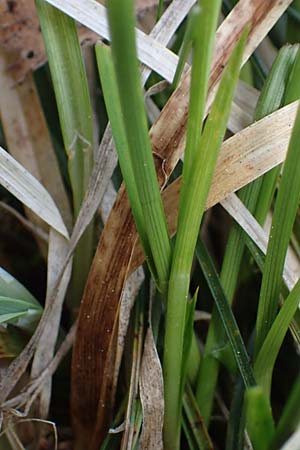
<point>209,367</point>
<point>160,9</point>
<point>72,95</point>
<point>226,315</point>
<point>185,47</point>
<point>205,17</point>
<point>293,88</point>
<point>112,102</point>
<point>186,427</point>
<point>260,424</point>
<point>235,436</point>
<point>192,204</point>
<point>135,123</point>
<point>75,115</point>
<point>22,313</point>
<point>273,96</point>
<point>265,361</point>
<point>10,287</point>
<point>290,417</point>
<point>196,425</point>
<point>274,89</point>
<point>281,229</point>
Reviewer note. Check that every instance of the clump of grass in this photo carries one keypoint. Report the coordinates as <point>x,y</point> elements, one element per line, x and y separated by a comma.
<point>181,277</point>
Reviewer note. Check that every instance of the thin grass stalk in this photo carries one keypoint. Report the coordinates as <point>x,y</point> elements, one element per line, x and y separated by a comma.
<point>75,115</point>
<point>191,210</point>
<point>290,417</point>
<point>227,318</point>
<point>197,427</point>
<point>265,361</point>
<point>281,230</point>
<point>202,30</point>
<point>113,107</point>
<point>135,122</point>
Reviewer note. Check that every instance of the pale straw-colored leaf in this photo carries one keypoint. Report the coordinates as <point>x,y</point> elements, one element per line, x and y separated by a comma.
<point>132,287</point>
<point>293,443</point>
<point>151,52</point>
<point>244,218</point>
<point>152,396</point>
<point>19,182</point>
<point>58,247</point>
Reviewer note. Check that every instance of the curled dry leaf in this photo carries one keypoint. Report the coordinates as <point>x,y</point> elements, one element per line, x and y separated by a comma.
<point>110,265</point>
<point>152,396</point>
<point>20,34</point>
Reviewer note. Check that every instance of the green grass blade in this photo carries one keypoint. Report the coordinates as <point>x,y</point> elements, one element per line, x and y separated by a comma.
<point>235,436</point>
<point>226,315</point>
<point>293,88</point>
<point>265,361</point>
<point>10,287</point>
<point>135,122</point>
<point>281,229</point>
<point>72,95</point>
<point>75,115</point>
<point>262,189</point>
<point>274,89</point>
<point>209,366</point>
<point>205,18</point>
<point>279,90</point>
<point>22,313</point>
<point>192,204</point>
<point>112,102</point>
<point>187,431</point>
<point>195,423</point>
<point>160,9</point>
<point>260,424</point>
<point>186,46</point>
<point>290,417</point>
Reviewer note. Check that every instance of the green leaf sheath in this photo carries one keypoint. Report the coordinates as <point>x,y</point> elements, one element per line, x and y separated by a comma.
<point>260,424</point>
<point>135,122</point>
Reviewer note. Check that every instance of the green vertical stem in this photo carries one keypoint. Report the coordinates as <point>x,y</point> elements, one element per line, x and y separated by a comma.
<point>192,204</point>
